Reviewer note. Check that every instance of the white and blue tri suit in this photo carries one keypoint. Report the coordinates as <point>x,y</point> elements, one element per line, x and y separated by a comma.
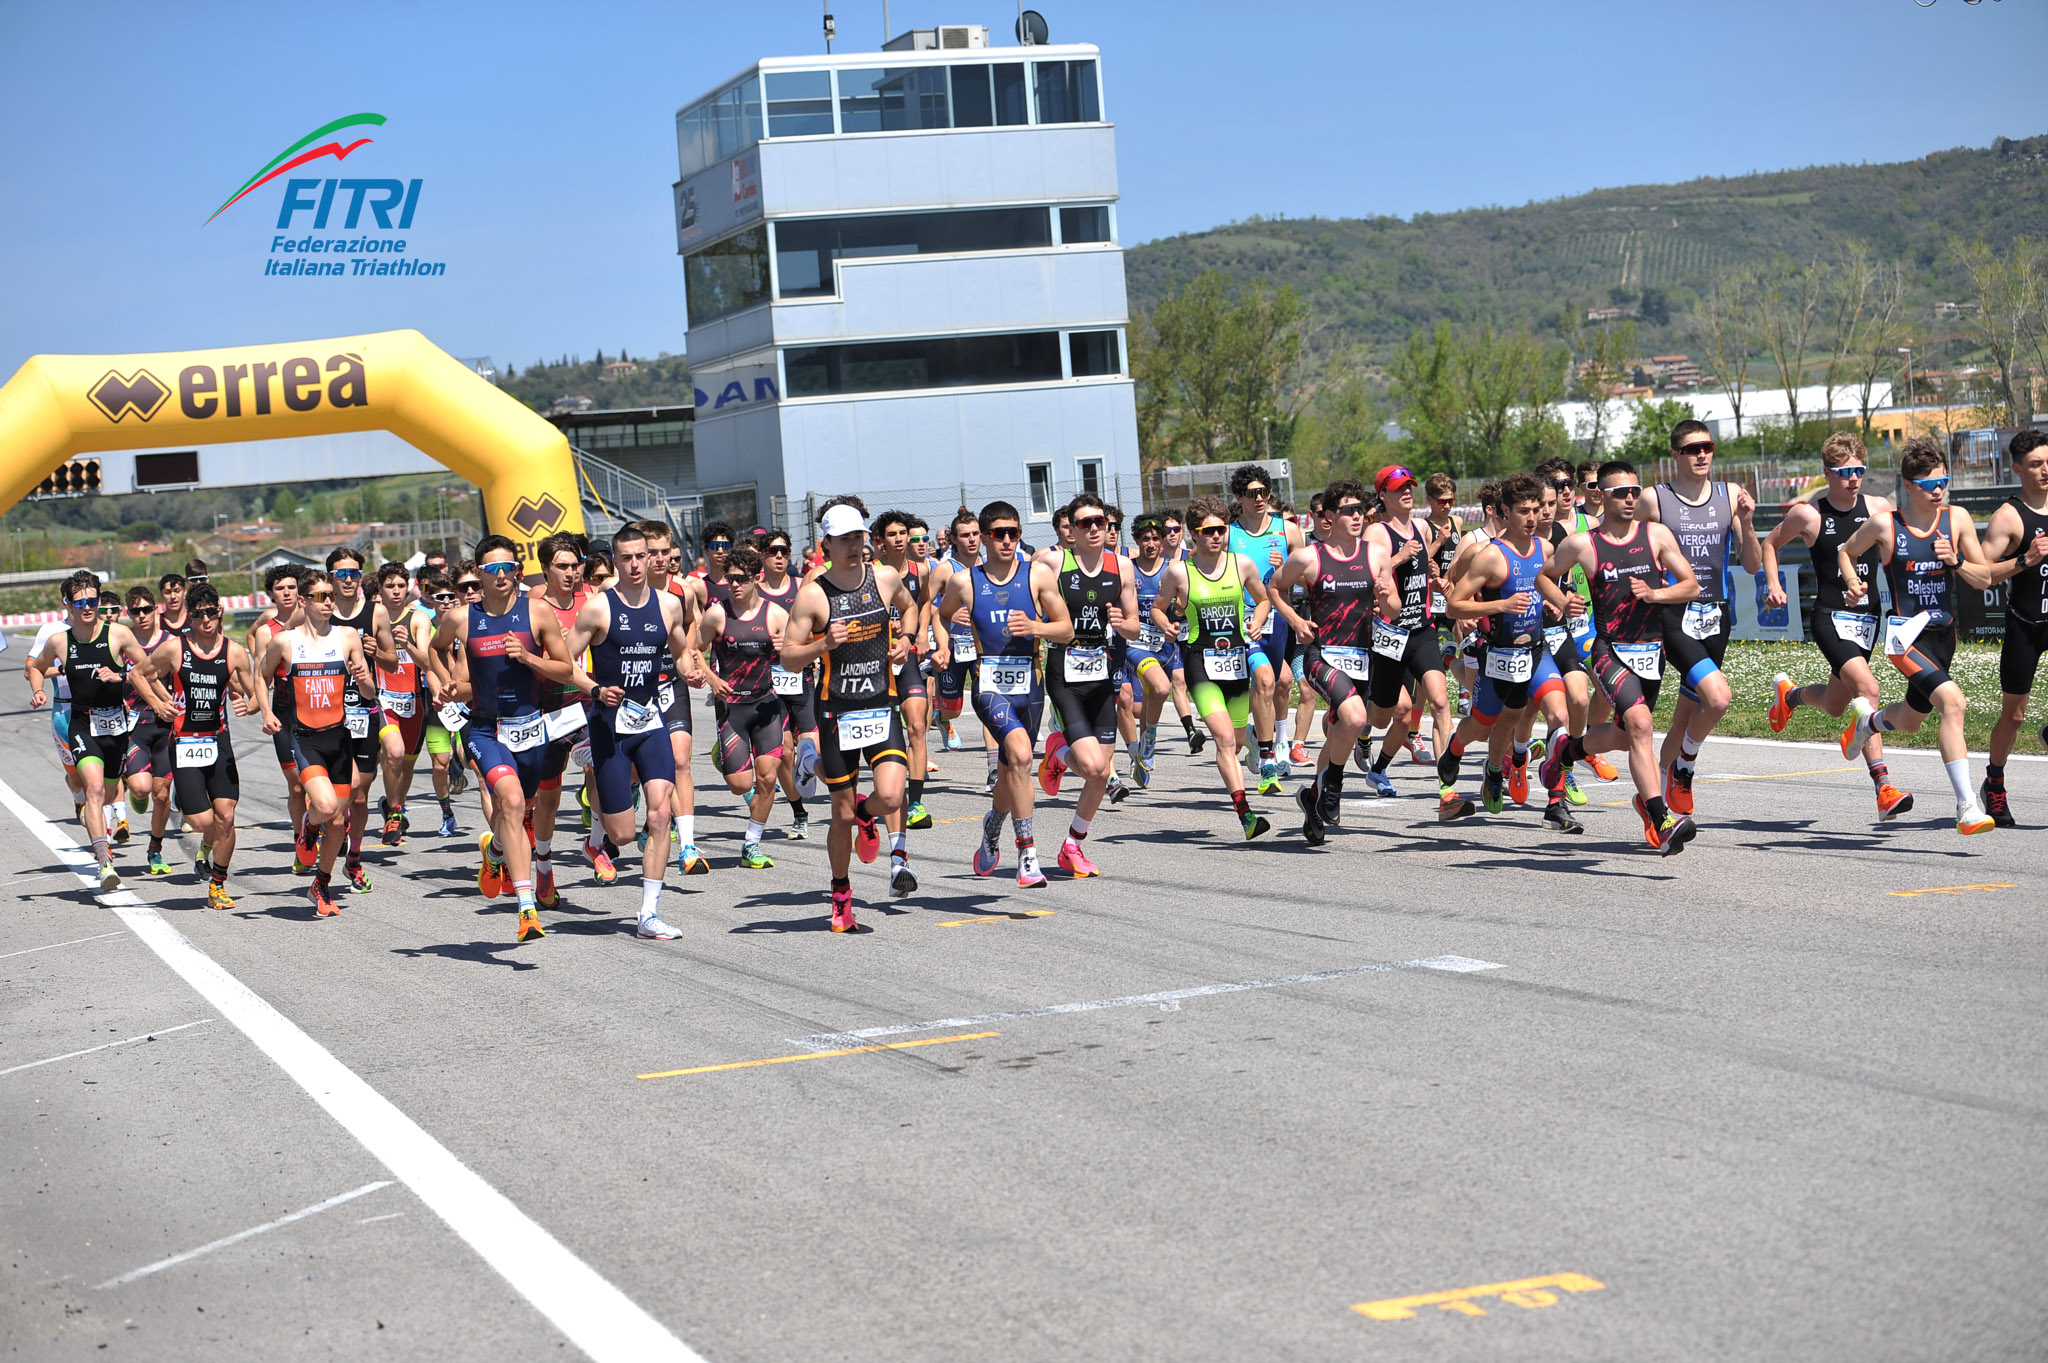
<point>1007,693</point>
<point>630,739</point>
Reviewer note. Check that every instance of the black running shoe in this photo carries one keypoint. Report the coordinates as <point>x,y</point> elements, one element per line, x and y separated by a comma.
<point>1311,816</point>
<point>1559,818</point>
<point>1995,805</point>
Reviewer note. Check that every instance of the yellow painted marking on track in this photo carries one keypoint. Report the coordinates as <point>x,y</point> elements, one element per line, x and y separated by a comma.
<point>1526,1293</point>
<point>817,1055</point>
<point>1951,889</point>
<point>1760,776</point>
<point>999,918</point>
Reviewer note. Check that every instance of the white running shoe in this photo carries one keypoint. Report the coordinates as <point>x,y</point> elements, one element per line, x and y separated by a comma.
<point>1971,818</point>
<point>1858,732</point>
<point>901,881</point>
<point>807,784</point>
<point>655,928</point>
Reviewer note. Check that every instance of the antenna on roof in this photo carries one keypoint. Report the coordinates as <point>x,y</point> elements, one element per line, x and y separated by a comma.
<point>1031,29</point>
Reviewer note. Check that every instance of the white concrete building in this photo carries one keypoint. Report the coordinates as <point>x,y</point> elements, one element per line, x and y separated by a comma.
<point>1761,407</point>
<point>905,281</point>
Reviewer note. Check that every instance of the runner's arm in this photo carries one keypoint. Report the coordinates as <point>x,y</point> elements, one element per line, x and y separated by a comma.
<point>1262,601</point>
<point>1801,523</point>
<point>1057,627</point>
<point>1672,560</point>
<point>241,679</point>
<point>1464,603</point>
<point>1126,621</point>
<point>807,637</point>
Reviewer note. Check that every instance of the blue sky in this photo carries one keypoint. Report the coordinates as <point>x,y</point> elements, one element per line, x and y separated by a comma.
<point>545,134</point>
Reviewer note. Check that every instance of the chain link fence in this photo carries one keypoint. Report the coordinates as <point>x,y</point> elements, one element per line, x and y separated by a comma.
<point>1035,501</point>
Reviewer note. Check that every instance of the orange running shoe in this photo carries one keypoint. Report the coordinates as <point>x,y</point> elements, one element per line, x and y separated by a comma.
<point>1052,770</point>
<point>1518,779</point>
<point>323,902</point>
<point>1075,862</point>
<point>1651,833</point>
<point>529,925</point>
<point>1781,709</point>
<point>490,874</point>
<point>1678,789</point>
<point>1892,802</point>
<point>1602,768</point>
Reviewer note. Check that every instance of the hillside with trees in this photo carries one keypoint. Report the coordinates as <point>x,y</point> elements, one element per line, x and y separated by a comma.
<point>615,380</point>
<point>1449,340</point>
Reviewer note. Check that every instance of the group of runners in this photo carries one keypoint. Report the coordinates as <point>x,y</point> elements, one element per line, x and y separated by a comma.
<point>1570,601</point>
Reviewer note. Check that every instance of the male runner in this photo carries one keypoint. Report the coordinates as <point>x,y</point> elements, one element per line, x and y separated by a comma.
<point>60,711</point>
<point>2016,545</point>
<point>798,690</point>
<point>146,768</point>
<point>170,590</point>
<point>632,636</point>
<point>1404,641</point>
<point>1924,547</point>
<point>1174,549</point>
<point>955,681</point>
<point>1506,590</point>
<point>315,659</point>
<point>892,548</point>
<point>1152,664</point>
<point>1706,517</point>
<point>1008,604</point>
<point>90,655</point>
<point>1342,573</point>
<point>281,585</point>
<point>1845,634</point>
<point>505,652</point>
<point>842,617</point>
<point>1259,533</point>
<point>561,591</point>
<point>744,631</point>
<point>1622,559</point>
<point>401,695</point>
<point>213,678</point>
<point>1095,585</point>
<point>694,593</point>
<point>358,609</point>
<point>1201,604</point>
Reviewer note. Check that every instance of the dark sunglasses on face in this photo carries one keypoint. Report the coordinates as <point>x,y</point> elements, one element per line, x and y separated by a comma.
<point>1212,530</point>
<point>776,549</point>
<point>1005,532</point>
<point>1697,447</point>
<point>1589,487</point>
<point>471,586</point>
<point>498,569</point>
<point>444,596</point>
<point>206,613</point>
<point>1256,490</point>
<point>1848,471</point>
<point>86,603</point>
<point>142,610</point>
<point>738,579</point>
<point>319,596</point>
<point>1173,529</point>
<point>1623,489</point>
<point>717,546</point>
<point>348,574</point>
<point>1090,522</point>
<point>1351,509</point>
<point>1929,484</point>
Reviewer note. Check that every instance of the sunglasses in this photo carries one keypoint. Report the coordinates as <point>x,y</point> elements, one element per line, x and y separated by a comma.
<point>1848,471</point>
<point>1258,491</point>
<point>195,579</point>
<point>348,574</point>
<point>86,603</point>
<point>1623,490</point>
<point>319,596</point>
<point>1090,522</point>
<point>738,579</point>
<point>142,610</point>
<point>206,613</point>
<point>716,546</point>
<point>1212,530</point>
<point>497,569</point>
<point>471,586</point>
<point>1350,509</point>
<point>1004,532</point>
<point>783,548</point>
<point>920,539</point>
<point>1697,447</point>
<point>1929,484</point>
<point>1173,530</point>
<point>1562,487</point>
<point>1589,487</point>
<point>443,596</point>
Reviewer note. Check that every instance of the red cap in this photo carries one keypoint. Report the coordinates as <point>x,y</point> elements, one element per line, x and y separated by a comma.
<point>1390,478</point>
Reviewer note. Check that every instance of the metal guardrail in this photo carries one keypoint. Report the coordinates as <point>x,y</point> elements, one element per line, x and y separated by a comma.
<point>612,496</point>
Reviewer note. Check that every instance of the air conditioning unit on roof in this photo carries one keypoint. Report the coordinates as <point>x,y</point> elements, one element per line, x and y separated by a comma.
<point>948,37</point>
<point>963,35</point>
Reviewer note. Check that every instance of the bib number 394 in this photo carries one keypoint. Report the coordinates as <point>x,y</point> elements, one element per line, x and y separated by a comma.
<point>1860,630</point>
<point>862,729</point>
<point>1389,641</point>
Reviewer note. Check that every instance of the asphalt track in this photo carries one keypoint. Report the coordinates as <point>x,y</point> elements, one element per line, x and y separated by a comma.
<point>1783,1096</point>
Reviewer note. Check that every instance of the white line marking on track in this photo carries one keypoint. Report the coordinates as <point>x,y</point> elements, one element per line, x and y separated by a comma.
<point>241,1235</point>
<point>373,1220</point>
<point>1167,999</point>
<point>98,937</point>
<point>125,1041</point>
<point>598,1318</point>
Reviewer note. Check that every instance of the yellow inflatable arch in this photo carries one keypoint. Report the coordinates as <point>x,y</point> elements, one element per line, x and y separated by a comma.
<point>59,406</point>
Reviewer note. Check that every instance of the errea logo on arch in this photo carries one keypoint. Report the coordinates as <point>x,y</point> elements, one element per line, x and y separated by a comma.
<point>378,208</point>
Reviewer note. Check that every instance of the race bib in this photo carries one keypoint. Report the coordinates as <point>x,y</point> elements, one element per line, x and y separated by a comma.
<point>665,695</point>
<point>523,735</point>
<point>1901,632</point>
<point>1354,663</point>
<point>1510,664</point>
<point>862,729</point>
<point>198,752</point>
<point>1151,638</point>
<point>786,682</point>
<point>358,722</point>
<point>1225,664</point>
<point>636,718</point>
<point>565,721</point>
<point>1389,641</point>
<point>111,720</point>
<point>1437,605</point>
<point>1555,637</point>
<point>400,704</point>
<point>454,716</point>
<point>1006,676</point>
<point>1851,628</point>
<point>1272,622</point>
<point>1087,664</point>
<point>1702,620</point>
<point>962,640</point>
<point>1645,660</point>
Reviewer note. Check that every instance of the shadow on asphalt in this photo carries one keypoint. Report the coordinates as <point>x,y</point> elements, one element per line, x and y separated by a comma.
<point>477,953</point>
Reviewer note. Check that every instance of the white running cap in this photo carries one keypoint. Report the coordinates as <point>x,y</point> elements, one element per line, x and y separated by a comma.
<point>842,520</point>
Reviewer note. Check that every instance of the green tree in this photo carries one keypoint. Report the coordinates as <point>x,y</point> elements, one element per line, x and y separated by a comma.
<point>1425,387</point>
<point>1218,377</point>
<point>1649,435</point>
<point>284,503</point>
<point>2011,290</point>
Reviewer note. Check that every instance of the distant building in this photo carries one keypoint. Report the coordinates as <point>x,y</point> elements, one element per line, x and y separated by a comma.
<point>573,402</point>
<point>618,369</point>
<point>1608,314</point>
<point>905,278</point>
